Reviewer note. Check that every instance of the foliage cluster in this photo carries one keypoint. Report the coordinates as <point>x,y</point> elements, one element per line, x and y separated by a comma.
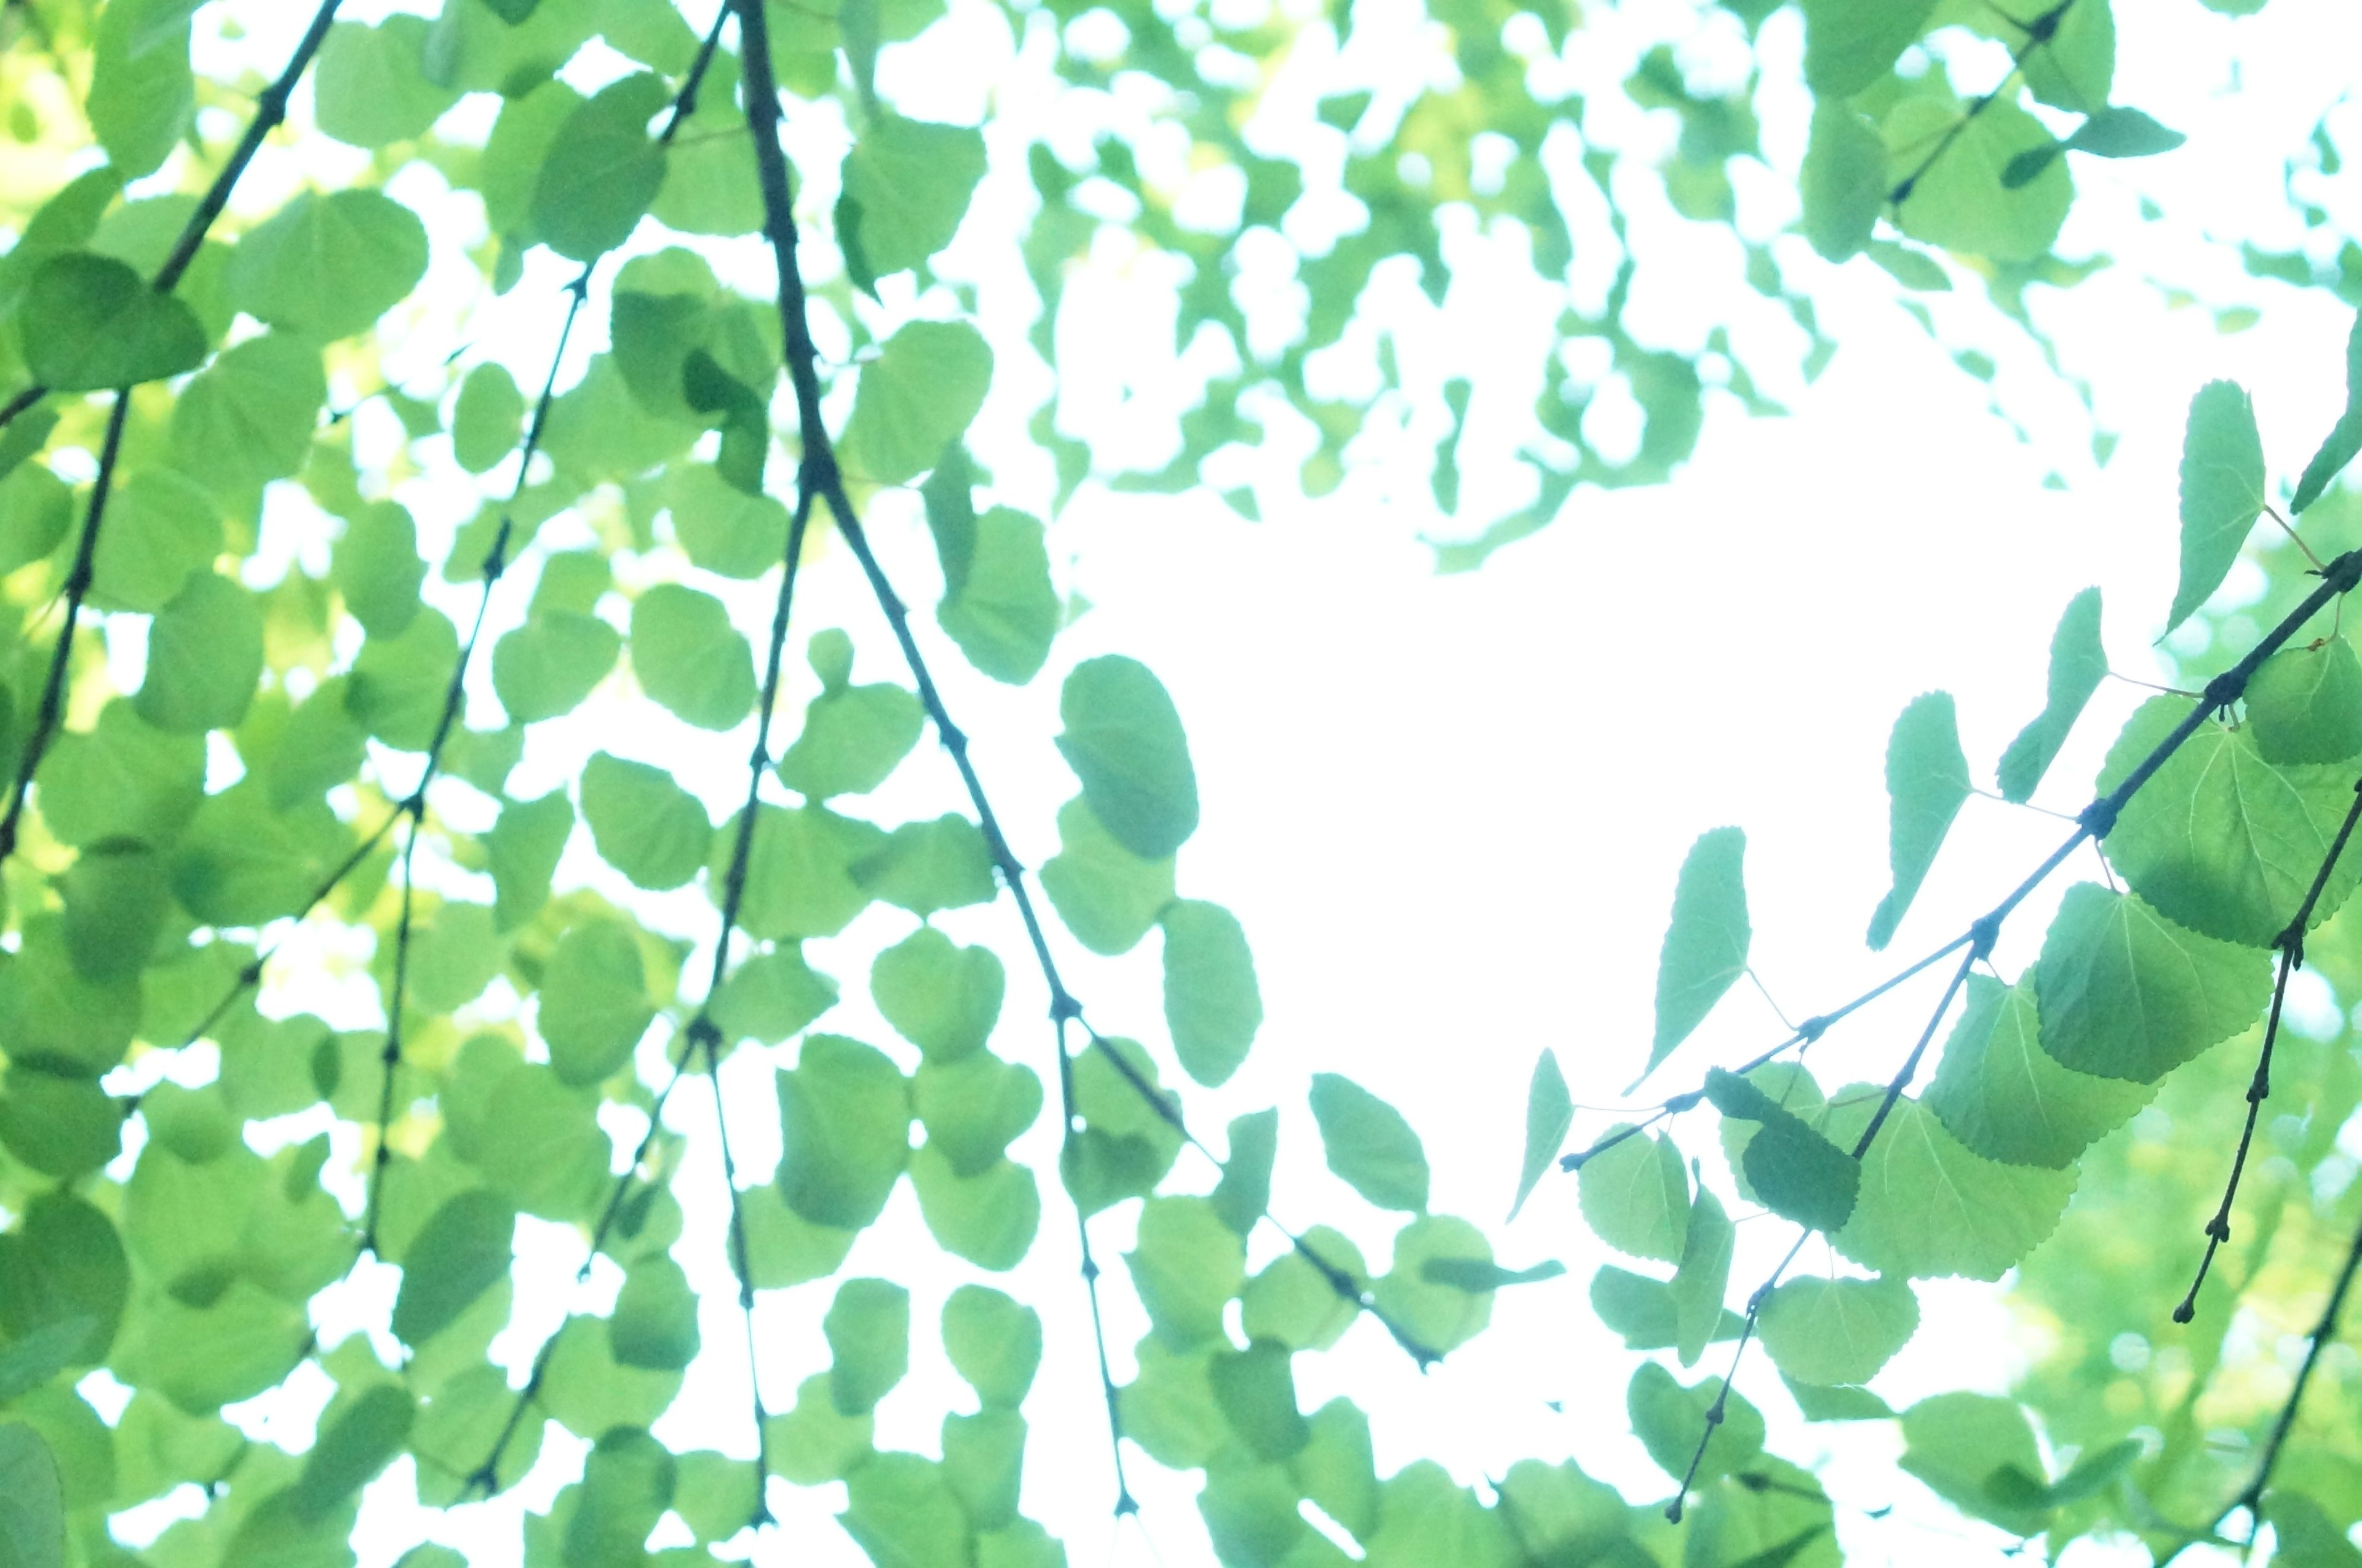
<point>259,692</point>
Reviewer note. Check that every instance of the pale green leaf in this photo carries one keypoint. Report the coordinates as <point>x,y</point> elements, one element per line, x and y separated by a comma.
<point>923,390</point>
<point>973,1108</point>
<point>844,1114</point>
<point>1999,1092</point>
<point>868,1331</point>
<point>1548,1113</point>
<point>143,97</point>
<point>990,1220</point>
<point>2127,994</point>
<point>1211,1002</point>
<point>91,323</point>
<point>908,183</point>
<point>1849,44</point>
<point>463,1250</point>
<point>1703,1276</point>
<point>1438,1317</point>
<point>645,826</point>
<point>603,171</point>
<point>1635,1195</point>
<point>940,997</point>
<point>488,419</point>
<point>1705,944</point>
<point>2222,491</point>
<point>1843,182</point>
<point>1929,1205</point>
<point>2345,438</point>
<point>1369,1144</point>
<point>370,84</point>
<point>900,1510</point>
<point>2078,665</point>
<point>1927,782</point>
<point>654,1322</point>
<point>204,655</point>
<point>2304,705</point>
<point>1123,739</point>
<point>1669,1419</point>
<point>32,1500</point>
<point>1107,897</point>
<point>994,1343</point>
<point>1823,1331</point>
<point>377,567</point>
<point>328,266</point>
<point>690,659</point>
<point>1963,200</point>
<point>1958,1442</point>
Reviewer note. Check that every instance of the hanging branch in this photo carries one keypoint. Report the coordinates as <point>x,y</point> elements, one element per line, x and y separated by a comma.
<point>2291,944</point>
<point>413,806</point>
<point>2093,823</point>
<point>269,110</point>
<point>2251,1496</point>
<point>1978,948</point>
<point>821,467</point>
<point>2038,31</point>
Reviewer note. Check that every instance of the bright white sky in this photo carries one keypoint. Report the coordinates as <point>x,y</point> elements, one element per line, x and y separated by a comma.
<point>1450,810</point>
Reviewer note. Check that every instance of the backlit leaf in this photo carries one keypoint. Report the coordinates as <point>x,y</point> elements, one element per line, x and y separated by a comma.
<point>328,265</point>
<point>2000,1093</point>
<point>2126,994</point>
<point>645,826</point>
<point>1369,1144</point>
<point>1703,1276</point>
<point>1635,1195</point>
<point>689,657</point>
<point>1927,782</point>
<point>1211,1002</point>
<point>2345,438</point>
<point>603,171</point>
<point>2304,705</point>
<point>1548,1113</point>
<point>2078,665</point>
<point>1123,739</point>
<point>1706,945</point>
<point>1825,1332</point>
<point>91,323</point>
<point>2222,491</point>
<point>913,399</point>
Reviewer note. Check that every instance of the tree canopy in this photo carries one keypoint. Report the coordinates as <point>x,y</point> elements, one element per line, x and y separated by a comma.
<point>504,1003</point>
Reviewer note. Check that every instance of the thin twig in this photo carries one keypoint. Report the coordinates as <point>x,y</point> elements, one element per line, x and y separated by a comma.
<point>269,110</point>
<point>1721,1405</point>
<point>2251,1496</point>
<point>2037,32</point>
<point>2291,944</point>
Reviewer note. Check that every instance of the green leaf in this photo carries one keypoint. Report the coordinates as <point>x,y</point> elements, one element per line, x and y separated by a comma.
<point>1126,1143</point>
<point>1823,1331</point>
<point>1849,44</point>
<point>161,526</point>
<point>2125,993</point>
<point>2304,1535</point>
<point>1963,200</point>
<point>2119,132</point>
<point>1467,1274</point>
<point>1843,182</point>
<point>844,1114</point>
<point>352,1449</point>
<point>690,659</point>
<point>900,1510</point>
<point>983,1459</point>
<point>1186,1265</point>
<point>246,860</point>
<point>1929,1205</point>
<point>142,97</point>
<point>654,1323</point>
<point>1641,1310</point>
<point>1703,1277</point>
<point>1915,270</point>
<point>1669,1419</point>
<point>974,1107</point>
<point>589,1392</point>
<point>2304,705</point>
<point>204,657</point>
<point>783,1248</point>
<point>248,418</point>
<point>813,1443</point>
<point>869,1330</point>
<point>2077,67</point>
<point>594,1002</point>
<point>940,997</point>
<point>90,323</point>
<point>370,87</point>
<point>993,1343</point>
<point>1927,782</point>
<point>377,569</point>
<point>1211,1003</point>
<point>990,1220</point>
<point>2222,491</point>
<point>713,1495</point>
<point>32,1500</point>
<point>2345,438</point>
<point>399,683</point>
<point>603,171</point>
<point>1958,1442</point>
<point>1635,1195</point>
<point>522,850</point>
<point>1789,1168</point>
<point>462,1251</point>
<point>1244,1192</point>
<point>1706,945</point>
<point>1255,1389</point>
<point>1839,1402</point>
<point>999,605</point>
<point>646,826</point>
<point>2078,665</point>
<point>2000,1093</point>
<point>913,399</point>
<point>926,866</point>
<point>64,1263</point>
<point>2219,839</point>
<point>1123,739</point>
<point>1548,1113</point>
<point>1369,1144</point>
<point>909,181</point>
<point>328,266</point>
<point>36,506</point>
<point>1106,896</point>
<point>488,420</point>
<point>799,881</point>
<point>724,529</point>
<point>1439,1317</point>
<point>117,904</point>
<point>551,664</point>
<point>59,1126</point>
<point>627,1484</point>
<point>1295,1303</point>
<point>852,737</point>
<point>772,996</point>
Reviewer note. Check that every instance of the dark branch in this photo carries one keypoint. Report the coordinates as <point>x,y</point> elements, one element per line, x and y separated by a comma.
<point>2251,1496</point>
<point>2291,949</point>
<point>2038,32</point>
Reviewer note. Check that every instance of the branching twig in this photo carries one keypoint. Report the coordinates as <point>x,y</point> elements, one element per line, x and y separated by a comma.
<point>2251,1496</point>
<point>2291,944</point>
<point>2038,32</point>
<point>269,110</point>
